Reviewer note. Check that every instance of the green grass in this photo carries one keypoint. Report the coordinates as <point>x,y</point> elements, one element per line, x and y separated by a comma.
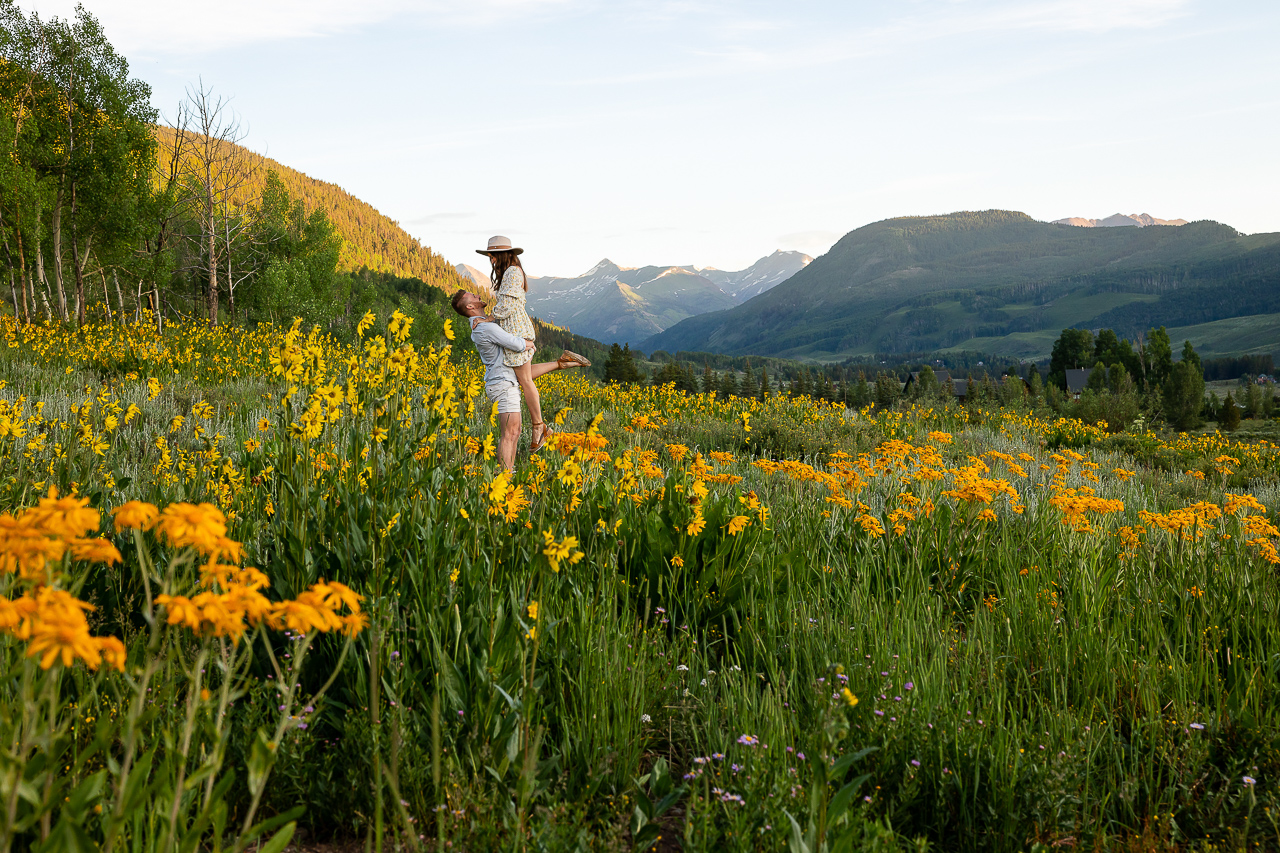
<point>1018,683</point>
<point>1257,334</point>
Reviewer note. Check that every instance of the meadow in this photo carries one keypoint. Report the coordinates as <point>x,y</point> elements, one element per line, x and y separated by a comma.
<point>262,585</point>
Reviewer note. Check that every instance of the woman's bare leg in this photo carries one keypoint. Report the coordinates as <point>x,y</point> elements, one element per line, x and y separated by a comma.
<point>524,377</point>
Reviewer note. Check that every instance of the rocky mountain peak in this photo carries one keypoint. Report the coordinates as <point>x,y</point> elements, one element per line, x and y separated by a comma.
<point>1118,220</point>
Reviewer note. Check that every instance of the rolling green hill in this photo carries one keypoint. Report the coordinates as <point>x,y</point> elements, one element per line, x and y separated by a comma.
<point>1001,282</point>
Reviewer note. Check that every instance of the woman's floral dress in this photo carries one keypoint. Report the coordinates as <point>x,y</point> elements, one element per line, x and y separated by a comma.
<point>513,315</point>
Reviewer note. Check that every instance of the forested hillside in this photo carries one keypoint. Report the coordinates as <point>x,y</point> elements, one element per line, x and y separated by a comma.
<point>105,214</point>
<point>370,239</point>
<point>995,281</point>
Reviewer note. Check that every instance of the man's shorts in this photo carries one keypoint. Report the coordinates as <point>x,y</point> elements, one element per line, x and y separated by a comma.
<point>506,395</point>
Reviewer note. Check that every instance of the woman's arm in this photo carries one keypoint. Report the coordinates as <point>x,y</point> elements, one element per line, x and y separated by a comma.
<point>494,333</point>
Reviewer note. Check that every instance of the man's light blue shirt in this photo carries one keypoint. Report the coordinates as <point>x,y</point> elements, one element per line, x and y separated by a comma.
<point>490,340</point>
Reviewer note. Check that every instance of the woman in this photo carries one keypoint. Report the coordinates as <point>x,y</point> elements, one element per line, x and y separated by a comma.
<point>511,286</point>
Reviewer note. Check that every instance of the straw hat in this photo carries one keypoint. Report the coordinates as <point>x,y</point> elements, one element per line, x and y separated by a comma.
<point>499,244</point>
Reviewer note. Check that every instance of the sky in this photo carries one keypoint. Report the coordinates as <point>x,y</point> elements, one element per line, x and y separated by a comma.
<point>712,133</point>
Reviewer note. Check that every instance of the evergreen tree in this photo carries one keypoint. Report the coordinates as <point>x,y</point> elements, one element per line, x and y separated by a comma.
<point>1183,391</point>
<point>1118,380</point>
<point>1033,380</point>
<point>613,368</point>
<point>632,371</point>
<point>1097,378</point>
<point>1229,414</point>
<point>862,395</point>
<point>927,382</point>
<point>1073,349</point>
<point>708,378</point>
<point>729,384</point>
<point>1253,400</point>
<point>887,390</point>
<point>620,367</point>
<point>763,393</point>
<point>1157,359</point>
<point>1110,348</point>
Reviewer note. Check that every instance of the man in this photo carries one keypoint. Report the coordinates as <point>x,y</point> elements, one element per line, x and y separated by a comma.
<point>499,379</point>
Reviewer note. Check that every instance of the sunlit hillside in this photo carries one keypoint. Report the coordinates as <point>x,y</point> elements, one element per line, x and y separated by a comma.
<point>370,238</point>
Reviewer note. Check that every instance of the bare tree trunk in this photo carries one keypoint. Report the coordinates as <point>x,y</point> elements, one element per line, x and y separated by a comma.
<point>213,264</point>
<point>13,290</point>
<point>115,277</point>
<point>231,287</point>
<point>56,223</point>
<point>44,297</point>
<point>77,265</point>
<point>106,295</point>
<point>213,167</point>
<point>22,263</point>
<point>44,279</point>
<point>26,307</point>
<point>137,305</point>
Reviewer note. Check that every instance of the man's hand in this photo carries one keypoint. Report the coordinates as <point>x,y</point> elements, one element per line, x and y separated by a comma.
<point>482,318</point>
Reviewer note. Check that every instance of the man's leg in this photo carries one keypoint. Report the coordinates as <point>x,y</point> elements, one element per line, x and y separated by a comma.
<point>509,425</point>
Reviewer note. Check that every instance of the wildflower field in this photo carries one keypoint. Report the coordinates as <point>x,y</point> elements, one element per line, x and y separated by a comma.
<point>259,584</point>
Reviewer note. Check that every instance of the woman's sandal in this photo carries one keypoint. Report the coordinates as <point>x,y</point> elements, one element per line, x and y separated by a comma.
<point>537,441</point>
<point>572,359</point>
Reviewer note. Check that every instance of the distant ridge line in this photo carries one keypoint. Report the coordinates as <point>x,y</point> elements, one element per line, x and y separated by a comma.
<point>1118,220</point>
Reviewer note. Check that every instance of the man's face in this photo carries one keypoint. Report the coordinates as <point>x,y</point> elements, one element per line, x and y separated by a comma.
<point>470,302</point>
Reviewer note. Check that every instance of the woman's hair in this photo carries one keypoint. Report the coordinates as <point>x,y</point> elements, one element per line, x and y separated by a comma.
<point>503,261</point>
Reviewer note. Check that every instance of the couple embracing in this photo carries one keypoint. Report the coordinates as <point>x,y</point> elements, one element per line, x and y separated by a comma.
<point>505,341</point>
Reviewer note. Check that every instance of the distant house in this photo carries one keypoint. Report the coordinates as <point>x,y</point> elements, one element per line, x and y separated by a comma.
<point>959,388</point>
<point>942,375</point>
<point>1078,380</point>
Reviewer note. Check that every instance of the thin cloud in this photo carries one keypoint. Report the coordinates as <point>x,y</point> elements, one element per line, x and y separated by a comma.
<point>807,239</point>
<point>166,27</point>
<point>434,218</point>
<point>939,21</point>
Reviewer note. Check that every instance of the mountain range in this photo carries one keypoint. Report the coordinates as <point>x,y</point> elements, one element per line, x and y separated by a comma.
<point>1001,282</point>
<point>1118,220</point>
<point>627,305</point>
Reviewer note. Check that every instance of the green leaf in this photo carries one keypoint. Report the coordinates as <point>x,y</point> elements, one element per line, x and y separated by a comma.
<point>85,795</point>
<point>841,800</point>
<point>797,841</point>
<point>67,837</point>
<point>846,761</point>
<point>280,839</point>
<point>289,817</point>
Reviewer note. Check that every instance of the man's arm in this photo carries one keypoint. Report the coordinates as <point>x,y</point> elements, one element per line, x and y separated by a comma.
<point>494,333</point>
